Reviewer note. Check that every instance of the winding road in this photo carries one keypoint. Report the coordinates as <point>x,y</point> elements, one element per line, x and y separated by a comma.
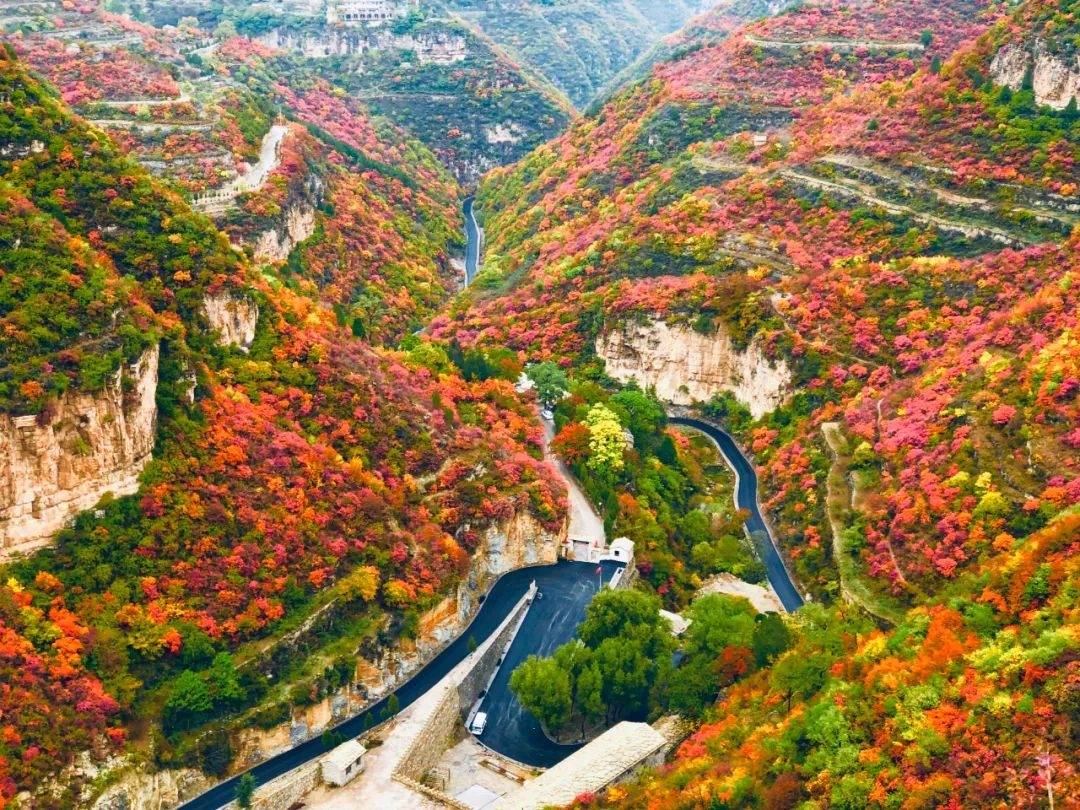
<point>567,587</point>
<point>746,498</point>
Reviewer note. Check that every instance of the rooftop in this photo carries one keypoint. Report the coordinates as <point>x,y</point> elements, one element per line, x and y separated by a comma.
<point>345,754</point>
<point>601,762</point>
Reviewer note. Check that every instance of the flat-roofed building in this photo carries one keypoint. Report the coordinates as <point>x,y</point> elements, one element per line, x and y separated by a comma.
<point>614,756</point>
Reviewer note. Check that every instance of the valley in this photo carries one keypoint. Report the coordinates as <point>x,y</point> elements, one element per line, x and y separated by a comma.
<point>508,403</point>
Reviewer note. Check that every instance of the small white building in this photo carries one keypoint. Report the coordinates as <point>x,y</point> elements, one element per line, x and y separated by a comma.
<point>620,550</point>
<point>343,763</point>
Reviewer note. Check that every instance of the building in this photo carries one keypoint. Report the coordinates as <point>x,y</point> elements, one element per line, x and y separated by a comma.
<point>343,763</point>
<point>614,756</point>
<point>361,12</point>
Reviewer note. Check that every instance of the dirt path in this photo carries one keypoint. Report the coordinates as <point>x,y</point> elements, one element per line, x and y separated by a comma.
<point>839,44</point>
<point>852,589</point>
<point>865,193</point>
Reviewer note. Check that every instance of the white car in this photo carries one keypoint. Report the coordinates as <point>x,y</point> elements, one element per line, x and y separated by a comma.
<point>479,723</point>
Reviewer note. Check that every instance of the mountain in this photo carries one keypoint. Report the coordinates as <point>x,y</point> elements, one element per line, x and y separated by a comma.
<point>254,470</point>
<point>849,231</point>
<point>578,46</point>
<point>423,74</point>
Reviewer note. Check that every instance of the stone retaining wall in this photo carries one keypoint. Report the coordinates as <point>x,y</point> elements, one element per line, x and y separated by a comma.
<point>476,679</point>
<point>288,789</point>
<point>428,746</point>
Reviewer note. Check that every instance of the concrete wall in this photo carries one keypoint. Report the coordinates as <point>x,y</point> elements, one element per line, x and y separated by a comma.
<point>429,745</point>
<point>462,689</point>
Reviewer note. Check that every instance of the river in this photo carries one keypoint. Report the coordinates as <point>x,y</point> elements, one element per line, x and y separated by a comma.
<point>472,236</point>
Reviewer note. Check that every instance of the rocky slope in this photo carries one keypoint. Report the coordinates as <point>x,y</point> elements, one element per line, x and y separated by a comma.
<point>684,366</point>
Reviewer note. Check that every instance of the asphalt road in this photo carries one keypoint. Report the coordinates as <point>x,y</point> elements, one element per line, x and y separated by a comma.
<point>746,498</point>
<point>472,247</point>
<point>552,621</point>
<point>506,593</point>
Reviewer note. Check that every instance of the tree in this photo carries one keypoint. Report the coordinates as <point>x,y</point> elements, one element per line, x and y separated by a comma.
<point>642,415</point>
<point>718,621</point>
<point>614,612</point>
<point>588,694</point>
<point>572,443</point>
<point>222,681</point>
<point>543,687</point>
<point>606,440</point>
<point>800,676</point>
<point>550,380</point>
<point>245,790</point>
<point>771,637</point>
<point>189,700</point>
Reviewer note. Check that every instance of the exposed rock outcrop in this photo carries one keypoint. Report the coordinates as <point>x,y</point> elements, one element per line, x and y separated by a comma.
<point>275,244</point>
<point>54,466</point>
<point>233,317</point>
<point>140,789</point>
<point>1055,79</point>
<point>685,366</point>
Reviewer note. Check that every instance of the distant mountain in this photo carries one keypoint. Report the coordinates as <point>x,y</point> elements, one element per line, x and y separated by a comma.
<point>578,45</point>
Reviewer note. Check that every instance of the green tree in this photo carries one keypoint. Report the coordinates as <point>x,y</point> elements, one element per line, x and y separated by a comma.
<point>189,700</point>
<point>543,687</point>
<point>588,694</point>
<point>770,638</point>
<point>642,414</point>
<point>613,612</point>
<point>550,380</point>
<point>718,621</point>
<point>222,681</point>
<point>245,790</point>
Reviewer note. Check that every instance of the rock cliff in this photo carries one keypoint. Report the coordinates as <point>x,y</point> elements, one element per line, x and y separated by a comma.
<point>233,317</point>
<point>55,465</point>
<point>1055,78</point>
<point>685,366</point>
<point>297,224</point>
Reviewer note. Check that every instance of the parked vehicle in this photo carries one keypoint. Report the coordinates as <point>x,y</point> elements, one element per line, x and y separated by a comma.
<point>479,723</point>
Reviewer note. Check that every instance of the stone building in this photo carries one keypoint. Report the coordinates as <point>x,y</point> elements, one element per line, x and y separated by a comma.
<point>342,764</point>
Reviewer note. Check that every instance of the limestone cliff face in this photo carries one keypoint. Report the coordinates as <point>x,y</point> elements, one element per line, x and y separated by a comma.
<point>297,224</point>
<point>141,789</point>
<point>52,467</point>
<point>685,366</point>
<point>233,317</point>
<point>1056,79</point>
